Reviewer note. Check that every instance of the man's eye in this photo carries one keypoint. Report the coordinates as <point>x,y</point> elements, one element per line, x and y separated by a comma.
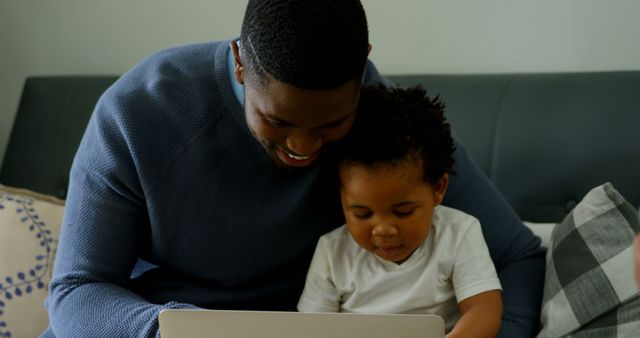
<point>278,123</point>
<point>403,213</point>
<point>334,124</point>
<point>274,123</point>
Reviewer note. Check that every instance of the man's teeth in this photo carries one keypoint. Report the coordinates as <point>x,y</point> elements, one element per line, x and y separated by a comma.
<point>299,158</point>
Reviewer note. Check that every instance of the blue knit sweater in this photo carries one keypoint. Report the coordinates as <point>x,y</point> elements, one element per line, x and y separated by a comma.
<point>173,204</point>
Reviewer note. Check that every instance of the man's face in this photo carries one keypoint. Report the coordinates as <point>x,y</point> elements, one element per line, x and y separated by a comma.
<point>295,125</point>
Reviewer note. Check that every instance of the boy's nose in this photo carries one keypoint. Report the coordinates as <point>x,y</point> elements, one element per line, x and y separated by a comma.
<point>384,229</point>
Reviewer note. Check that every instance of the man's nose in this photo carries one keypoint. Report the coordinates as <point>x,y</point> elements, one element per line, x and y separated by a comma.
<point>304,143</point>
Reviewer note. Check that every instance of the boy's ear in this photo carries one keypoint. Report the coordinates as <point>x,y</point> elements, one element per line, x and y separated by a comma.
<point>440,188</point>
<point>238,68</point>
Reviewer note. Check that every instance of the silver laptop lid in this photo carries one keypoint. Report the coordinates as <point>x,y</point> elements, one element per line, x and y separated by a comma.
<point>268,324</point>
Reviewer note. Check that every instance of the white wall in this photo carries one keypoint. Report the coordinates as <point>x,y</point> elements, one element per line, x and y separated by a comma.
<point>51,37</point>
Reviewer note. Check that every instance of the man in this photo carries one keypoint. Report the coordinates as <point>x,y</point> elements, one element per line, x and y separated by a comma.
<point>204,179</point>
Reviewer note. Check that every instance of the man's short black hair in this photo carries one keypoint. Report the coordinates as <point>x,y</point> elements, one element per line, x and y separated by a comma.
<point>311,44</point>
<point>395,125</point>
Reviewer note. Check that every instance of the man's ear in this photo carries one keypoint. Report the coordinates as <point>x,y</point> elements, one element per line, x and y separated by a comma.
<point>440,188</point>
<point>369,50</point>
<point>238,68</point>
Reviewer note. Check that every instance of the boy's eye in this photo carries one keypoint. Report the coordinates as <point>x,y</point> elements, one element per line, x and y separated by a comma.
<point>362,215</point>
<point>403,213</point>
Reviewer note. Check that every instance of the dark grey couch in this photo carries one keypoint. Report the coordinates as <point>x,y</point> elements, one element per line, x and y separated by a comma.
<point>543,139</point>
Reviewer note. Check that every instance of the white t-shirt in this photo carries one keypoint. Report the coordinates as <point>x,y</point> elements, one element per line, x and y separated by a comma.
<point>452,264</point>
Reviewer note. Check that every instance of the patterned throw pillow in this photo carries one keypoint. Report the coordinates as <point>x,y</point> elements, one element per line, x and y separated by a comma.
<point>29,228</point>
<point>590,289</point>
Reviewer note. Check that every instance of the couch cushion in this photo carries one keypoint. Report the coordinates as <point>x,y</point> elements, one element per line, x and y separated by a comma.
<point>51,119</point>
<point>590,286</point>
<point>559,135</point>
<point>29,228</point>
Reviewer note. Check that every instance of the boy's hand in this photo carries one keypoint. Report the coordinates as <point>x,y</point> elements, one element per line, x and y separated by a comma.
<point>637,258</point>
<point>480,316</point>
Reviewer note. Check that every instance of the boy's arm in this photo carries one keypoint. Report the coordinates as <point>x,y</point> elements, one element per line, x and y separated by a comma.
<point>637,257</point>
<point>320,293</point>
<point>480,316</point>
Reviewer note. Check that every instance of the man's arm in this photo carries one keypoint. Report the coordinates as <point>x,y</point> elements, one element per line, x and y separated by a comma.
<point>103,226</point>
<point>515,251</point>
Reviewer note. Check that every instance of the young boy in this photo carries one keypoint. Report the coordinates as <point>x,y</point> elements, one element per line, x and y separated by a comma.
<point>400,251</point>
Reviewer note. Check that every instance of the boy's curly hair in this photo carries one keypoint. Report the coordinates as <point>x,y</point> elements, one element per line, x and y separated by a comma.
<point>397,124</point>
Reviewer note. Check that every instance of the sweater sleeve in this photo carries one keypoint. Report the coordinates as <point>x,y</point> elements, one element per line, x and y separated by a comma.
<point>515,251</point>
<point>104,224</point>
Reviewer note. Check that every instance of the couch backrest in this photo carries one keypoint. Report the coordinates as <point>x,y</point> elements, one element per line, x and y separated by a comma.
<point>52,115</point>
<point>546,139</point>
<point>543,139</point>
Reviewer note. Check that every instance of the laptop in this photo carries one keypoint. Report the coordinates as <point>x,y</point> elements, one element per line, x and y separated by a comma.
<point>183,323</point>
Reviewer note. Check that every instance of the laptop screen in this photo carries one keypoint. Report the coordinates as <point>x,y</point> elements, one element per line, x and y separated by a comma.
<point>270,324</point>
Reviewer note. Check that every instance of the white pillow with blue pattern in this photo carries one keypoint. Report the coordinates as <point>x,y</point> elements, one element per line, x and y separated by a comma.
<point>29,229</point>
<point>590,288</point>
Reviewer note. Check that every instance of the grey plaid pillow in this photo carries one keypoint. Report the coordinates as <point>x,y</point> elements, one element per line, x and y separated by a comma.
<point>590,288</point>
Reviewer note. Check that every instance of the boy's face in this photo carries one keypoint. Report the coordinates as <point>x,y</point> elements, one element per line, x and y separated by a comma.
<point>389,208</point>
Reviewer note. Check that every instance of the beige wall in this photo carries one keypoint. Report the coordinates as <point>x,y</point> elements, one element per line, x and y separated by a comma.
<point>430,36</point>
